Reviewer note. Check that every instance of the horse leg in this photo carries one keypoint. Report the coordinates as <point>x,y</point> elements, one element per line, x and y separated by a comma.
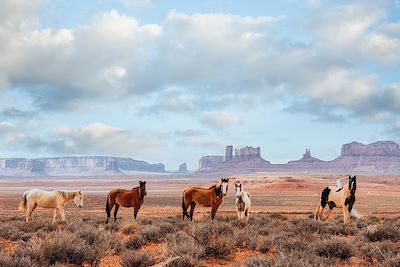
<point>328,213</point>
<point>318,212</point>
<point>135,211</point>
<point>238,214</point>
<point>346,217</point>
<point>30,210</point>
<point>184,209</point>
<point>192,205</point>
<point>213,211</point>
<point>116,211</point>
<point>246,213</point>
<point>55,215</point>
<point>61,210</point>
<point>109,206</point>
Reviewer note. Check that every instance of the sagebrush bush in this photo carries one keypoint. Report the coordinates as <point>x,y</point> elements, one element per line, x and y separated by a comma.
<point>334,248</point>
<point>264,244</point>
<point>137,258</point>
<point>129,228</point>
<point>134,242</point>
<point>182,245</point>
<point>259,261</point>
<point>378,251</point>
<point>151,233</point>
<point>61,247</point>
<point>389,230</point>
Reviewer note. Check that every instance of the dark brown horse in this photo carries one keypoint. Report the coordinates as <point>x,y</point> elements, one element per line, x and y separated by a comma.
<point>126,198</point>
<point>210,197</point>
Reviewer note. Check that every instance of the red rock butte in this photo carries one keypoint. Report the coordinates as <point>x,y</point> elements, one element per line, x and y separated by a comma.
<point>378,157</point>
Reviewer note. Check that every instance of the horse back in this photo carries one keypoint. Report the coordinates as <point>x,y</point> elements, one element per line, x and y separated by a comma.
<point>125,198</point>
<point>201,196</point>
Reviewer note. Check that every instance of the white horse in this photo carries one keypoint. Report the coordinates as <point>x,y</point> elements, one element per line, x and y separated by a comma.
<point>49,199</point>
<point>342,197</point>
<point>243,202</point>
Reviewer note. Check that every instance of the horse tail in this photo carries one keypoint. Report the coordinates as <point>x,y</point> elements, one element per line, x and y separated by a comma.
<point>184,209</point>
<point>22,205</point>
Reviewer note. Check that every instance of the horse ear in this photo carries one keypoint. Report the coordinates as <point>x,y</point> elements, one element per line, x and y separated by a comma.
<point>80,192</point>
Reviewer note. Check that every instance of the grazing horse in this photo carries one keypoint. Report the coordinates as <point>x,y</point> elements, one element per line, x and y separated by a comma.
<point>126,198</point>
<point>339,197</point>
<point>210,197</point>
<point>49,199</point>
<point>243,202</point>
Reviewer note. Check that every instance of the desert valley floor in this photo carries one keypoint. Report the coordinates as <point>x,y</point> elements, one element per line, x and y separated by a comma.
<point>287,194</point>
<point>271,192</point>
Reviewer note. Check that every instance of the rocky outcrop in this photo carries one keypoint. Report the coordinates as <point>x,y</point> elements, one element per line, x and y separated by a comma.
<point>76,166</point>
<point>183,168</point>
<point>378,157</point>
<point>247,153</point>
<point>229,153</point>
<point>381,148</point>
<point>307,158</point>
<point>210,162</point>
<point>244,158</point>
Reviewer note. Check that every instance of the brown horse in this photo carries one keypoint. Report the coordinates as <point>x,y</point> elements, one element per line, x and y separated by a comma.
<point>211,197</point>
<point>126,198</point>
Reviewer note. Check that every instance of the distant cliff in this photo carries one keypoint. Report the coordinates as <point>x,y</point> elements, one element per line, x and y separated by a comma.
<point>244,158</point>
<point>77,166</point>
<point>378,157</point>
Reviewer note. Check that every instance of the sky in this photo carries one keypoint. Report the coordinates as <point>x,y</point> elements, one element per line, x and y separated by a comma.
<point>171,81</point>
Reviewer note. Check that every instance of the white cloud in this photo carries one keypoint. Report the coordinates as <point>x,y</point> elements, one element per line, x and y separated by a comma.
<point>99,138</point>
<point>220,120</point>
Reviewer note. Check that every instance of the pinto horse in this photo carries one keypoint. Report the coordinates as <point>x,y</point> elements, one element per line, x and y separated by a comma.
<point>243,202</point>
<point>210,197</point>
<point>338,197</point>
<point>125,198</point>
<point>49,199</point>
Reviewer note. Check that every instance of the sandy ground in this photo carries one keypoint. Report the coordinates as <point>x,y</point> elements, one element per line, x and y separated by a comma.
<point>271,192</point>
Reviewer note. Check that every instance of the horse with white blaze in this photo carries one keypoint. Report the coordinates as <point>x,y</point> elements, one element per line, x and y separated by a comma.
<point>243,202</point>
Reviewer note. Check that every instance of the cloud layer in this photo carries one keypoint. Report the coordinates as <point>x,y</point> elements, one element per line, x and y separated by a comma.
<point>212,67</point>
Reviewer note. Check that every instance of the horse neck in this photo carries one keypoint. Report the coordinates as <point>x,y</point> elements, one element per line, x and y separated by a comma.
<point>218,191</point>
<point>68,196</point>
<point>139,192</point>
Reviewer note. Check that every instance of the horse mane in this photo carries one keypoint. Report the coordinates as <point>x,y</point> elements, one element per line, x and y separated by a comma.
<point>218,190</point>
<point>67,194</point>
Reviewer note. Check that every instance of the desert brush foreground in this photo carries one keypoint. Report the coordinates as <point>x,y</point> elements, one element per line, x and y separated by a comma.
<point>281,230</point>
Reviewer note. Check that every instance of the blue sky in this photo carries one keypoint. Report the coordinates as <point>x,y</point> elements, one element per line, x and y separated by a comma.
<point>171,81</point>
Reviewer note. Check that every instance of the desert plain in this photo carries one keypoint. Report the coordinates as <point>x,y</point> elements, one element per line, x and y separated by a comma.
<point>275,196</point>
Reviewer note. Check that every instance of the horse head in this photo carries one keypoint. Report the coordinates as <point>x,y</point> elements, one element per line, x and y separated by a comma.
<point>224,186</point>
<point>238,190</point>
<point>142,187</point>
<point>78,199</point>
<point>352,184</point>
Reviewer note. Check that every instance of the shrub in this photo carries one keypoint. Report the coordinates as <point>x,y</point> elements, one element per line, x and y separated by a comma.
<point>129,228</point>
<point>379,251</point>
<point>387,231</point>
<point>180,244</point>
<point>60,247</point>
<point>258,261</point>
<point>247,239</point>
<point>220,246</point>
<point>151,233</point>
<point>134,242</point>
<point>264,244</point>
<point>333,248</point>
<point>137,258</point>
